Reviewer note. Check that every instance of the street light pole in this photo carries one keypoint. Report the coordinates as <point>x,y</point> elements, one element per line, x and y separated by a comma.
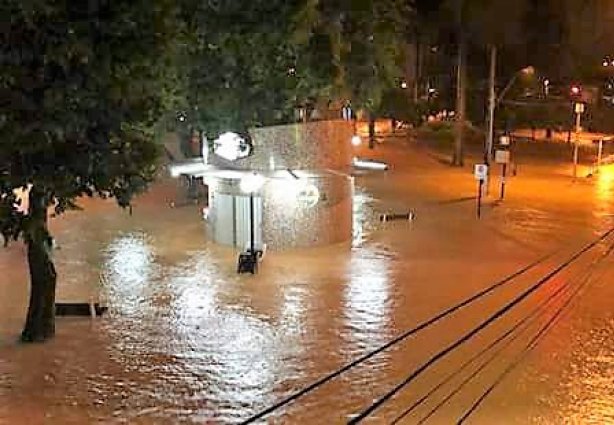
<point>492,100</point>
<point>252,244</point>
<point>248,261</point>
<point>492,103</point>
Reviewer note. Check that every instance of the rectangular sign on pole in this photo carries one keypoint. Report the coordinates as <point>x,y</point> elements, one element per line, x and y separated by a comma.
<point>579,108</point>
<point>504,140</point>
<point>480,171</point>
<point>502,156</point>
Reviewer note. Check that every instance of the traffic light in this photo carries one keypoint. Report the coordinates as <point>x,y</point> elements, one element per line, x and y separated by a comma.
<point>575,90</point>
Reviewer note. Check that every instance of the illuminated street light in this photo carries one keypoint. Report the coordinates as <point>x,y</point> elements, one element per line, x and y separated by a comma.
<point>356,140</point>
<point>404,85</point>
<point>527,71</point>
<point>495,100</point>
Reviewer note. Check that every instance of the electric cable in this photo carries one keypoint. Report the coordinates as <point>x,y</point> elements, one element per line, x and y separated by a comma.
<point>469,335</point>
<point>520,326</point>
<point>583,278</point>
<point>323,380</point>
<point>529,347</point>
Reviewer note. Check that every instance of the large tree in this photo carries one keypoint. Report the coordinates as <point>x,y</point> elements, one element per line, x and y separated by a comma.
<point>82,84</point>
<point>479,23</point>
<point>373,35</point>
<point>252,63</point>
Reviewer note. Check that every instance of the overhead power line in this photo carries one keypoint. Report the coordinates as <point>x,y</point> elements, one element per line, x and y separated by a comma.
<point>469,335</point>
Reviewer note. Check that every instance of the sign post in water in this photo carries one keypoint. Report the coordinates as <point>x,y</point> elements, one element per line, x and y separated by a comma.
<point>480,172</point>
<point>503,157</point>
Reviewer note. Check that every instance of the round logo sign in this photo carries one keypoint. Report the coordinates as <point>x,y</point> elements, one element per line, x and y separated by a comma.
<point>309,195</point>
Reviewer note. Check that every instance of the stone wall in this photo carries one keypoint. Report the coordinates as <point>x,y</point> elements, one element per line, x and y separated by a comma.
<point>289,224</point>
<point>321,154</point>
<point>317,145</point>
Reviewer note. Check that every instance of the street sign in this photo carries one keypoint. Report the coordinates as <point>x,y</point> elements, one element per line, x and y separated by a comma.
<point>502,157</point>
<point>308,196</point>
<point>579,108</point>
<point>504,140</point>
<point>480,171</point>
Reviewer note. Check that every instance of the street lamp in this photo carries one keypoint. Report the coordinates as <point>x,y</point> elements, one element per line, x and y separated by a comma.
<point>527,71</point>
<point>248,261</point>
<point>575,90</point>
<point>546,87</point>
<point>495,100</point>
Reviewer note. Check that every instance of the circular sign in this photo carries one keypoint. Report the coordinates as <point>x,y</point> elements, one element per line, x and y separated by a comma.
<point>308,195</point>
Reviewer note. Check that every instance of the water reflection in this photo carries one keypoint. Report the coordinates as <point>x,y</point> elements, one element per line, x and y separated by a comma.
<point>189,339</point>
<point>604,196</point>
<point>128,269</point>
<point>367,297</point>
<point>592,367</point>
<point>293,310</point>
<point>362,216</point>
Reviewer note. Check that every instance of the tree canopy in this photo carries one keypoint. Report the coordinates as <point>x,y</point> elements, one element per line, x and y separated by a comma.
<point>82,84</point>
<point>81,87</point>
<point>252,64</point>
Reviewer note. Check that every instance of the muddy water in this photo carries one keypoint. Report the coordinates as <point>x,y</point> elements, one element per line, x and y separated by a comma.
<point>186,340</point>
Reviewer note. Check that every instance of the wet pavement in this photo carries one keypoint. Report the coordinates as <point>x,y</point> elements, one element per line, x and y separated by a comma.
<point>186,340</point>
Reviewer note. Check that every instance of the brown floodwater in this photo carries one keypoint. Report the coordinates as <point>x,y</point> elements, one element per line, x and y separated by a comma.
<point>187,340</point>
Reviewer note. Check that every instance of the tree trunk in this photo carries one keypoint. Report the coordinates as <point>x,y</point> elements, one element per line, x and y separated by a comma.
<point>371,130</point>
<point>417,69</point>
<point>40,321</point>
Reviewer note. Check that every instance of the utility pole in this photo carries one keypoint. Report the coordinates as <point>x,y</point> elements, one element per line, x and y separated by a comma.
<point>492,100</point>
<point>492,103</point>
<point>461,87</point>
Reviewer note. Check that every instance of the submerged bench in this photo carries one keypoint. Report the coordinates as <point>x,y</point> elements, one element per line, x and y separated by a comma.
<point>80,309</point>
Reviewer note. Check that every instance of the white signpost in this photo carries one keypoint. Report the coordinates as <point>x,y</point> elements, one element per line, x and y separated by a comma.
<point>480,171</point>
<point>579,109</point>
<point>502,157</point>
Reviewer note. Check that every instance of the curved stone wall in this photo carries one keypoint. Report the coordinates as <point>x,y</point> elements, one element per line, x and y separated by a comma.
<point>316,145</point>
<point>320,154</point>
<point>290,224</point>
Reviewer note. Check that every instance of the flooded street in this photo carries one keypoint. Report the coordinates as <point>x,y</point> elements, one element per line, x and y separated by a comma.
<point>187,340</point>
